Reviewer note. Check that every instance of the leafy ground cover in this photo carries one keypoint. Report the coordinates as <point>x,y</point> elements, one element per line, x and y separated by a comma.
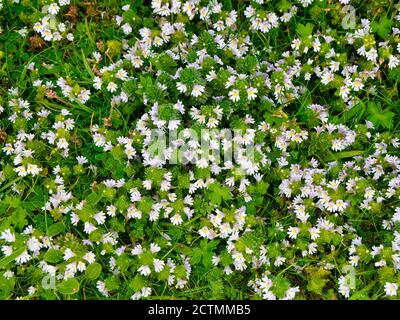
<point>88,211</point>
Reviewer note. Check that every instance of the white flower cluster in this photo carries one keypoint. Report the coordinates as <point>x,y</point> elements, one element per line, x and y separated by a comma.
<point>215,141</point>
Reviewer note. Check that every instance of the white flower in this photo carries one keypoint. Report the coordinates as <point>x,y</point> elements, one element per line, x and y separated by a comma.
<point>31,290</point>
<point>81,159</point>
<point>197,90</point>
<point>252,93</point>
<point>146,291</point>
<point>130,152</point>
<point>97,82</point>
<point>21,171</point>
<point>391,289</point>
<point>84,95</point>
<point>112,87</point>
<point>144,270</point>
<point>344,287</point>
<point>205,232</point>
<point>7,250</point>
<point>38,27</point>
<point>357,84</point>
<point>126,28</point>
<point>89,257</point>
<point>344,92</point>
<point>81,266</point>
<point>291,293</point>
<point>354,260</point>
<point>327,77</point>
<point>122,75</point>
<point>101,286</point>
<point>293,232</point>
<point>47,35</point>
<point>393,61</point>
<point>8,274</point>
<point>234,95</point>
<point>296,44</point>
<point>33,169</point>
<point>89,228</point>
<point>215,260</point>
<point>137,250</point>
<point>68,254</point>
<point>8,236</point>
<point>137,62</point>
<point>99,140</point>
<point>64,2</point>
<point>147,184</point>
<point>100,217</point>
<point>279,261</point>
<point>23,257</point>
<point>176,219</point>
<point>33,244</point>
<point>165,185</point>
<point>136,296</point>
<point>158,265</point>
<point>154,248</point>
<point>53,8</point>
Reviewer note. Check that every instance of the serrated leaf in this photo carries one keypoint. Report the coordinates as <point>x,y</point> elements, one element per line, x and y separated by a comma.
<point>304,30</point>
<point>19,218</point>
<point>196,255</point>
<point>316,285</point>
<point>383,27</point>
<point>380,117</point>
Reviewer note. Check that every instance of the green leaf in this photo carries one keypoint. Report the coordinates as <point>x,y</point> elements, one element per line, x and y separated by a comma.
<point>225,193</point>
<point>93,271</point>
<point>358,110</point>
<point>379,117</point>
<point>6,260</point>
<point>6,286</point>
<point>69,286</point>
<point>362,294</point>
<point>137,283</point>
<point>262,187</point>
<point>304,31</point>
<point>93,198</point>
<point>19,218</point>
<point>344,154</point>
<point>218,192</point>
<point>316,285</point>
<point>112,283</point>
<point>383,27</point>
<point>55,229</point>
<point>53,256</point>
<point>13,202</point>
<point>215,198</point>
<point>196,255</point>
<point>207,257</point>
